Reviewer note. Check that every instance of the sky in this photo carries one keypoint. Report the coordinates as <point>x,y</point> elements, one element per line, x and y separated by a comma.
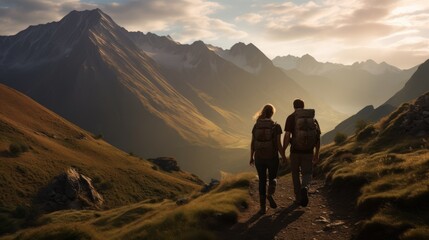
<point>340,31</point>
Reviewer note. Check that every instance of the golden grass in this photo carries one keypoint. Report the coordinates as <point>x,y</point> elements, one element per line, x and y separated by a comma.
<point>197,219</point>
<point>389,173</point>
<point>56,144</point>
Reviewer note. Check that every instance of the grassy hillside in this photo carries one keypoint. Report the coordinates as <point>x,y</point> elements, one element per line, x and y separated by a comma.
<point>197,219</point>
<point>387,166</point>
<point>36,145</point>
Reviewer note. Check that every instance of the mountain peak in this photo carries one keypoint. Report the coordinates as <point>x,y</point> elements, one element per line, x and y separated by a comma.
<point>240,47</point>
<point>199,45</point>
<point>87,18</point>
<point>308,57</point>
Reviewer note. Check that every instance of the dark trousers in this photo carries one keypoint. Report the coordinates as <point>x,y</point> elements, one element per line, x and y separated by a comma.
<point>262,166</point>
<point>302,171</point>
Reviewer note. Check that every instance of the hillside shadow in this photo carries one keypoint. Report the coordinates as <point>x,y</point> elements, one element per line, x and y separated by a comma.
<point>261,227</point>
<point>6,154</point>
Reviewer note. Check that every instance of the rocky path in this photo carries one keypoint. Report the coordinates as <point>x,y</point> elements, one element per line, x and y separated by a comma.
<point>325,217</point>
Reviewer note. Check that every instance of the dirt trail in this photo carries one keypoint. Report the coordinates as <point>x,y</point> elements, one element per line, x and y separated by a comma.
<point>325,217</point>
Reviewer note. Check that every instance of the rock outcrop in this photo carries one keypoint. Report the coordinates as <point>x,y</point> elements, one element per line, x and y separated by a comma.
<point>71,190</point>
<point>168,164</point>
<point>417,119</point>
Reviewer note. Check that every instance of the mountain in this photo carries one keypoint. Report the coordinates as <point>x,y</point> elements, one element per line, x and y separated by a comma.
<point>149,94</point>
<point>309,65</point>
<point>414,87</point>
<point>306,64</point>
<point>87,69</point>
<point>348,126</point>
<point>211,78</point>
<point>246,56</point>
<point>351,81</point>
<point>50,144</point>
<point>383,171</point>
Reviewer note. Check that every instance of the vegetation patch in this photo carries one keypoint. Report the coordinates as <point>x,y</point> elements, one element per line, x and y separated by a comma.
<point>16,149</point>
<point>388,172</point>
<point>197,219</point>
<point>340,138</point>
<point>64,232</point>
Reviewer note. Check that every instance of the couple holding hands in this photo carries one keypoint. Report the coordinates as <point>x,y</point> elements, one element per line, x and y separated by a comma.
<point>302,132</point>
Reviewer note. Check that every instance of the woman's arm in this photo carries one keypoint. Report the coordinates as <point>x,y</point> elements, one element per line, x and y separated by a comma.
<point>280,148</point>
<point>252,153</point>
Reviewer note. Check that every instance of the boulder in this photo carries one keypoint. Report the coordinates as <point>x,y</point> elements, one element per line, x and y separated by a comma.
<point>208,187</point>
<point>70,190</point>
<point>168,164</point>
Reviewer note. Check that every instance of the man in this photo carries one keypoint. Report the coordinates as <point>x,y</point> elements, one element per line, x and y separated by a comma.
<point>303,132</point>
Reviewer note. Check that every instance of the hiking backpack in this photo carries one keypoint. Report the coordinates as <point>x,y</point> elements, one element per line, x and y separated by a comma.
<point>306,132</point>
<point>264,139</point>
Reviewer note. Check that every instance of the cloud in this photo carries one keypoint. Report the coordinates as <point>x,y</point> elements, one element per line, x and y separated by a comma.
<point>16,15</point>
<point>349,25</point>
<point>360,20</point>
<point>252,18</point>
<point>186,20</point>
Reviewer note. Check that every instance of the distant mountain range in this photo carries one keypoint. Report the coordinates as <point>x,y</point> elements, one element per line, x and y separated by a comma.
<point>309,65</point>
<point>148,94</point>
<point>417,85</point>
<point>347,88</point>
<point>152,96</point>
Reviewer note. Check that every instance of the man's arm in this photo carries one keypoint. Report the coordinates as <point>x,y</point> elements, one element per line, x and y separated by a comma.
<point>286,141</point>
<point>316,153</point>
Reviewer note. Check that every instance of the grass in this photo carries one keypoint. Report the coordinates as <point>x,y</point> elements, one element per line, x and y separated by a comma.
<point>388,172</point>
<point>52,145</point>
<point>199,219</point>
<point>64,232</point>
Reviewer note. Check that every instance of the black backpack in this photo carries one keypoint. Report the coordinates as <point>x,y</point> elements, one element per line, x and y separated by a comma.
<point>307,131</point>
<point>264,139</point>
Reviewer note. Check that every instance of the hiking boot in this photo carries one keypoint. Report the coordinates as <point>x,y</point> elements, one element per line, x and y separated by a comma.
<point>273,203</point>
<point>263,204</point>
<point>304,197</point>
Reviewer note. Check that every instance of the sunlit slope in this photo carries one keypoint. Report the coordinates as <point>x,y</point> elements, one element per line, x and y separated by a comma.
<point>199,217</point>
<point>86,69</point>
<point>387,165</point>
<point>54,144</point>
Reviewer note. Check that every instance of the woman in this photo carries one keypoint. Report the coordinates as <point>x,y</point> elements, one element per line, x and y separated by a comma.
<point>264,151</point>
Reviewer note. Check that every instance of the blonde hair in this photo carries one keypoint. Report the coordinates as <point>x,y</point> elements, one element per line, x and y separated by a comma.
<point>266,112</point>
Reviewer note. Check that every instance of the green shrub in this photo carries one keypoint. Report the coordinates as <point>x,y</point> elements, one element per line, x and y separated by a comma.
<point>365,133</point>
<point>20,212</point>
<point>360,125</point>
<point>7,225</point>
<point>98,136</point>
<point>340,138</point>
<point>17,148</point>
<point>21,170</point>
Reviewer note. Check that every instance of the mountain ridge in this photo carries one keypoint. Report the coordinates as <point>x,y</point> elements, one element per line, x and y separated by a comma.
<point>54,145</point>
<point>107,85</point>
<point>413,88</point>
